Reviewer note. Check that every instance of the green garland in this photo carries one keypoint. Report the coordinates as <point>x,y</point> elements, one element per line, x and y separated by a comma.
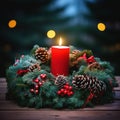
<point>31,84</point>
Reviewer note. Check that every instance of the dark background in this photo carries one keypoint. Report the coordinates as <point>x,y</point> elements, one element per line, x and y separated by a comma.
<point>75,20</point>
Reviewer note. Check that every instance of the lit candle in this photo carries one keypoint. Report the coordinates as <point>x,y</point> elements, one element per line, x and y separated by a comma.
<point>60,59</point>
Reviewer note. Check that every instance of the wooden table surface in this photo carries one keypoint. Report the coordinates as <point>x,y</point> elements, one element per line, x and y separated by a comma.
<point>11,111</point>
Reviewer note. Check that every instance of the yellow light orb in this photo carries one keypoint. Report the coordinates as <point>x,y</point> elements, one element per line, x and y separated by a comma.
<point>101,26</point>
<point>12,23</point>
<point>51,34</point>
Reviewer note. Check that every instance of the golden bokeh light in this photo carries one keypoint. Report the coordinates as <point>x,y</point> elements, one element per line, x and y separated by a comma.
<point>12,23</point>
<point>51,34</point>
<point>101,26</point>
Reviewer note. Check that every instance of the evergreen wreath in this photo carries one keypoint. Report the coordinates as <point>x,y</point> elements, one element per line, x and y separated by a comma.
<point>31,84</point>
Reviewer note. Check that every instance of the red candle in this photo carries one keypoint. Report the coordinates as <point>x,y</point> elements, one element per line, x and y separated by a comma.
<point>60,60</point>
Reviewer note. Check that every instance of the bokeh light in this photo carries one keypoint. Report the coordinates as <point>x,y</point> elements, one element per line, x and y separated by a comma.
<point>51,34</point>
<point>12,23</point>
<point>101,26</point>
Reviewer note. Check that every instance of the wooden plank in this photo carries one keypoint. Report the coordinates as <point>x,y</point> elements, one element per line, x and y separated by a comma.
<point>117,88</point>
<point>3,84</point>
<point>118,81</point>
<point>117,95</point>
<point>3,90</point>
<point>2,96</point>
<point>106,107</point>
<point>59,115</point>
<point>117,78</point>
<point>2,80</point>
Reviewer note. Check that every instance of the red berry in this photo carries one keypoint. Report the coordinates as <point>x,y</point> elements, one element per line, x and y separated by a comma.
<point>22,56</point>
<point>36,91</point>
<point>36,86</point>
<point>43,76</point>
<point>68,93</point>
<point>71,92</point>
<point>59,92</point>
<point>31,90</point>
<point>66,86</point>
<point>70,87</point>
<point>65,92</point>
<point>36,80</point>
<point>62,90</point>
<point>40,83</point>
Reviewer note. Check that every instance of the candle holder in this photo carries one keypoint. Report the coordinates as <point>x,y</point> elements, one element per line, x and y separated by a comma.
<point>71,79</point>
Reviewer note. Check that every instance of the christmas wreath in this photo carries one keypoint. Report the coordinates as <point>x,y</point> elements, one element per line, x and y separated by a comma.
<point>31,84</point>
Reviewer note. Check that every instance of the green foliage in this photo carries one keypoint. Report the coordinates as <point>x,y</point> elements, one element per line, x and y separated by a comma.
<point>34,48</point>
<point>19,87</point>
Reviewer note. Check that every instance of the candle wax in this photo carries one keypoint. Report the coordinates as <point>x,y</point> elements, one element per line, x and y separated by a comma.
<point>60,60</point>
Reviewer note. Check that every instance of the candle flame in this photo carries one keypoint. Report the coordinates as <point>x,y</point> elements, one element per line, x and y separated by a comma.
<point>60,41</point>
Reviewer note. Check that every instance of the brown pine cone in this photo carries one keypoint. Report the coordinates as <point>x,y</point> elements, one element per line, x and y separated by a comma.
<point>41,54</point>
<point>60,81</point>
<point>34,66</point>
<point>95,65</point>
<point>87,82</point>
<point>73,56</point>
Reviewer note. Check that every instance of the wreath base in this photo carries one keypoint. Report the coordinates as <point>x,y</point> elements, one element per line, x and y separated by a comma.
<point>31,84</point>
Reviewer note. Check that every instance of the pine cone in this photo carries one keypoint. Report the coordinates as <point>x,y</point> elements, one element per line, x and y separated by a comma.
<point>87,82</point>
<point>41,54</point>
<point>95,65</point>
<point>75,52</point>
<point>73,56</point>
<point>60,81</point>
<point>34,66</point>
